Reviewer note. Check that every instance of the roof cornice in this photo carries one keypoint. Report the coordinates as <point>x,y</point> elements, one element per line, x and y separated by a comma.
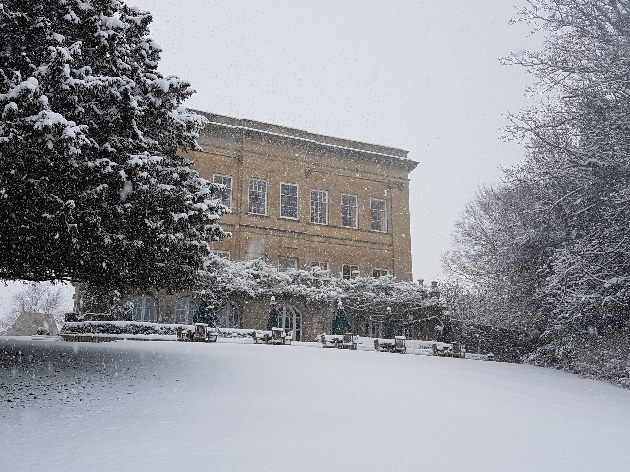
<point>310,140</point>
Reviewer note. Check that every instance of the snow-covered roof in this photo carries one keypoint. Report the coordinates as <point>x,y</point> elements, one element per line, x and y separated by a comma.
<point>307,138</point>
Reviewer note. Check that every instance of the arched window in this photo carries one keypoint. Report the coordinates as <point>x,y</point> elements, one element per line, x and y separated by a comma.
<point>144,309</point>
<point>290,320</point>
<point>185,310</point>
<point>229,316</point>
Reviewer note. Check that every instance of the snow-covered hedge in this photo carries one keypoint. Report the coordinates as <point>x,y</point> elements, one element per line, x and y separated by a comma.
<point>119,328</point>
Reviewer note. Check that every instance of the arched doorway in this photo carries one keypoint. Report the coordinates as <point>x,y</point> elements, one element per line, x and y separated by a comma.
<point>229,316</point>
<point>185,310</point>
<point>290,320</point>
<point>144,309</point>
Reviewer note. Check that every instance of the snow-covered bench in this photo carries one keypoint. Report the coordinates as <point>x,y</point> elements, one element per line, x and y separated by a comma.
<point>200,333</point>
<point>449,350</point>
<point>261,336</point>
<point>384,345</point>
<point>331,340</point>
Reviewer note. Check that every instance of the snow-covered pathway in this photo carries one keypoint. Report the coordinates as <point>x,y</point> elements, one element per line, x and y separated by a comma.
<point>165,406</point>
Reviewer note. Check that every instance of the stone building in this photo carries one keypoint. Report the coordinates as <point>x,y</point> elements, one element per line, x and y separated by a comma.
<point>27,324</point>
<point>299,200</point>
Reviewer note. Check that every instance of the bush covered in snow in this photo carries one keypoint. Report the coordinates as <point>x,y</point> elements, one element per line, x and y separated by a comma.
<point>118,327</point>
<point>222,279</point>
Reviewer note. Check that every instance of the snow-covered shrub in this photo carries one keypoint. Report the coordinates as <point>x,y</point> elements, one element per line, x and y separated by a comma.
<point>118,327</point>
<point>222,280</point>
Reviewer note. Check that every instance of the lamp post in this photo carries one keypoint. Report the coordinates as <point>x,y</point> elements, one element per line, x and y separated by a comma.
<point>389,328</point>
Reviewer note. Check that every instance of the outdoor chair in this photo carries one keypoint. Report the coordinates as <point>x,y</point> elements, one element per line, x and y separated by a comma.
<point>277,336</point>
<point>199,334</point>
<point>211,335</point>
<point>400,344</point>
<point>349,341</point>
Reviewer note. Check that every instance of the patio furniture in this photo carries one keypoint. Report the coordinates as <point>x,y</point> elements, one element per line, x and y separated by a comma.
<point>277,336</point>
<point>199,335</point>
<point>261,337</point>
<point>400,344</point>
<point>384,345</point>
<point>349,341</point>
<point>449,350</point>
<point>212,334</point>
<point>331,340</point>
<point>184,334</point>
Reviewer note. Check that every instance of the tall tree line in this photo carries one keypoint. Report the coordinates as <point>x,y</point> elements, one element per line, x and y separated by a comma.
<point>549,248</point>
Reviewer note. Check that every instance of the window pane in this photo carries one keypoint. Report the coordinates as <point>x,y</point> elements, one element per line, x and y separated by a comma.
<point>185,310</point>
<point>222,254</point>
<point>257,197</point>
<point>378,213</point>
<point>144,309</point>
<point>226,193</point>
<point>228,316</point>
<point>287,263</point>
<point>349,271</point>
<point>319,207</point>
<point>319,265</point>
<point>349,211</point>
<point>379,273</point>
<point>289,201</point>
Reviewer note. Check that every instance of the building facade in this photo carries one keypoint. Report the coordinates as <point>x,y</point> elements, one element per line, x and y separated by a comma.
<point>303,200</point>
<point>300,201</point>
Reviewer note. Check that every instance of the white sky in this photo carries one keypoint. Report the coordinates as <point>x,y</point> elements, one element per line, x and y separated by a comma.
<point>419,75</point>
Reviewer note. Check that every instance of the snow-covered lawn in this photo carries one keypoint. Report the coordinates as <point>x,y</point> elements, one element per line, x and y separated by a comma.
<point>237,406</point>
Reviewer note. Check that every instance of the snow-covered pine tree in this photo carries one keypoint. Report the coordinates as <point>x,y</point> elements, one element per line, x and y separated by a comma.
<point>272,321</point>
<point>340,324</point>
<point>92,188</point>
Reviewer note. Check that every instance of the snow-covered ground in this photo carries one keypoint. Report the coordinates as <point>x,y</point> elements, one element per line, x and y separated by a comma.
<point>237,406</point>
